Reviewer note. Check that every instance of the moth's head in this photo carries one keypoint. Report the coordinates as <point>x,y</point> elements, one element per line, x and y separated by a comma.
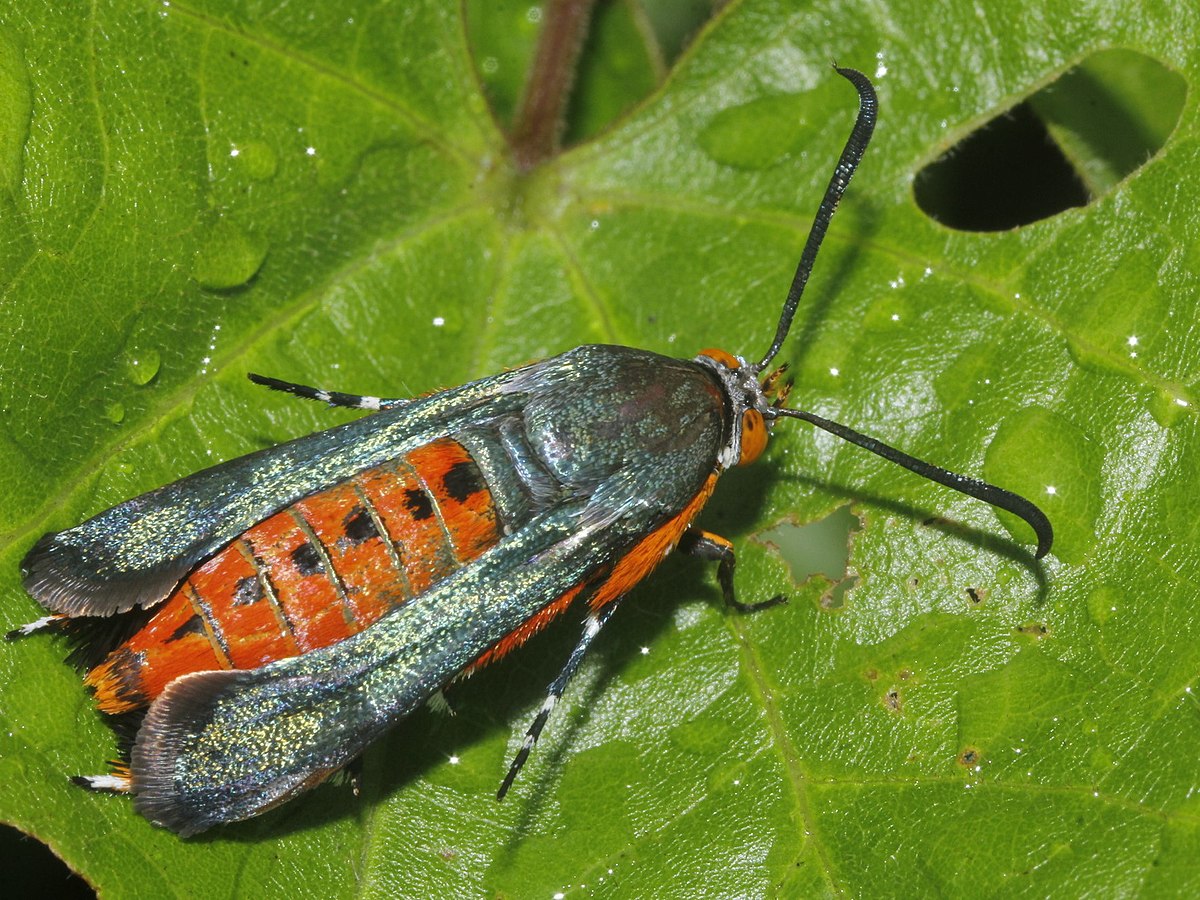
<point>754,403</point>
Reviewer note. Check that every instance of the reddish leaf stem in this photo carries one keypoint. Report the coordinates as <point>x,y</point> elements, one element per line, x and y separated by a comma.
<point>537,131</point>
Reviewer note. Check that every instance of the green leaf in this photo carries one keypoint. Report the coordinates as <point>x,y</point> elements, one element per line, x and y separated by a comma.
<point>194,190</point>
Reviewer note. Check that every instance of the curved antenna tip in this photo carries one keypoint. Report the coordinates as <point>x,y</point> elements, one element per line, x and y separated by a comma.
<point>1042,528</point>
<point>972,487</point>
<point>852,153</point>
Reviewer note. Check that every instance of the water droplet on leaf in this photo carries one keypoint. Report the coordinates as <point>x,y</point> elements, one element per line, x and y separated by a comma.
<point>258,160</point>
<point>1168,408</point>
<point>1101,604</point>
<point>228,257</point>
<point>142,365</point>
<point>758,134</point>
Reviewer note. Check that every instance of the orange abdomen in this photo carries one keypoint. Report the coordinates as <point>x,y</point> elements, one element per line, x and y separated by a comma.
<point>313,574</point>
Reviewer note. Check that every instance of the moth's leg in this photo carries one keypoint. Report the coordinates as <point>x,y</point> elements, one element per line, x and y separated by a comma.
<point>333,398</point>
<point>440,703</point>
<point>707,545</point>
<point>103,784</point>
<point>591,627</point>
<point>353,773</point>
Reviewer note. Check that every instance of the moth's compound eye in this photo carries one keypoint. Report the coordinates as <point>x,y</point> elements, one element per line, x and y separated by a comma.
<point>754,436</point>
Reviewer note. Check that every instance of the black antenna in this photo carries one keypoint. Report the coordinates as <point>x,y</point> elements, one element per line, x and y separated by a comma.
<point>856,145</point>
<point>864,125</point>
<point>972,487</point>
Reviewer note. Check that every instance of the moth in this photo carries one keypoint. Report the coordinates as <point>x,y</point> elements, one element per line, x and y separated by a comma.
<point>309,596</point>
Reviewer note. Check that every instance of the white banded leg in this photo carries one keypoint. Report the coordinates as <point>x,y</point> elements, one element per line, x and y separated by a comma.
<point>591,627</point>
<point>104,784</point>
<point>333,398</point>
<point>45,623</point>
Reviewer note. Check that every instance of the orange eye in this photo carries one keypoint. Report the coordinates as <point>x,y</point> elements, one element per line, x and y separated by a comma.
<point>728,360</point>
<point>754,436</point>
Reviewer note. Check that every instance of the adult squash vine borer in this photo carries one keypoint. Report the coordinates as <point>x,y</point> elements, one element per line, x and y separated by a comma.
<point>315,593</point>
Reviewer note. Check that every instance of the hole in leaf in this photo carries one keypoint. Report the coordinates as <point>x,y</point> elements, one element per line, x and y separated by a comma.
<point>1065,146</point>
<point>1033,630</point>
<point>819,548</point>
<point>32,869</point>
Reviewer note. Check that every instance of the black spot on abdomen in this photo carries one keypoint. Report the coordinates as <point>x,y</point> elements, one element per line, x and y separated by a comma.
<point>418,503</point>
<point>306,560</point>
<point>359,527</point>
<point>462,480</point>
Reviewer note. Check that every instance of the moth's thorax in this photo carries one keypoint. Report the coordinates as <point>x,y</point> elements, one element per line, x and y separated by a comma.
<point>605,409</point>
